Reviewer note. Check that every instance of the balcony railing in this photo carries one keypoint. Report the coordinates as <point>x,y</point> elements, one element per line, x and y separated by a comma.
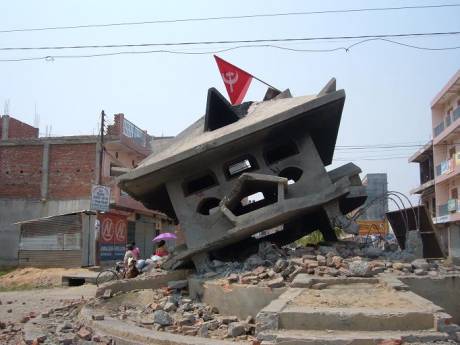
<point>438,170</point>
<point>443,210</point>
<point>445,167</point>
<point>136,134</point>
<point>456,114</point>
<point>438,129</point>
<point>448,120</point>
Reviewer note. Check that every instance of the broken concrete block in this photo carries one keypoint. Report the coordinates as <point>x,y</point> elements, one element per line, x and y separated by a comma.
<point>321,260</point>
<point>236,328</point>
<point>169,307</point>
<point>34,335</point>
<point>275,283</point>
<point>66,339</point>
<point>162,318</point>
<point>420,264</point>
<point>420,272</point>
<point>280,265</point>
<point>359,269</point>
<point>178,284</point>
<point>98,317</point>
<point>227,319</point>
<point>232,149</point>
<point>203,331</point>
<point>84,333</point>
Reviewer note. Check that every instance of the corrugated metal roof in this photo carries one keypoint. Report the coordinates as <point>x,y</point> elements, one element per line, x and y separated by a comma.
<point>56,215</point>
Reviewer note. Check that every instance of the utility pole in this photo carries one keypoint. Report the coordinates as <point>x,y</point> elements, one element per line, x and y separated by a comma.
<point>101,152</point>
<point>99,182</point>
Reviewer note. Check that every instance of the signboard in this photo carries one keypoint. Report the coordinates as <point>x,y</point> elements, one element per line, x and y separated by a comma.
<point>100,198</point>
<point>113,236</point>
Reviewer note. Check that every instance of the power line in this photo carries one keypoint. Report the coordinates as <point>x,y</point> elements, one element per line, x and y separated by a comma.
<point>346,49</point>
<point>267,40</point>
<point>250,16</point>
<point>369,159</point>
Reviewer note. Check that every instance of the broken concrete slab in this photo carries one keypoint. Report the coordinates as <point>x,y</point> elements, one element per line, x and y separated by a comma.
<point>205,178</point>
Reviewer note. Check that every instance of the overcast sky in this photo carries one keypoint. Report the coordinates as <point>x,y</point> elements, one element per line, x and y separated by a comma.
<point>389,88</point>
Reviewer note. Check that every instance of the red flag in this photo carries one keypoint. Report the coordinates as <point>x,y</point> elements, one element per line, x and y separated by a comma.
<point>235,79</point>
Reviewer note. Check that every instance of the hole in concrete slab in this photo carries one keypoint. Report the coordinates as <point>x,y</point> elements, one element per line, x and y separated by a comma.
<point>238,166</point>
<point>76,281</point>
<point>199,183</point>
<point>254,195</point>
<point>280,152</point>
<point>293,174</point>
<point>206,205</point>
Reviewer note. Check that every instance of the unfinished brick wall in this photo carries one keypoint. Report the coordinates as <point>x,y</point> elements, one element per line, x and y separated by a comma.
<point>20,171</point>
<point>20,130</point>
<point>71,170</point>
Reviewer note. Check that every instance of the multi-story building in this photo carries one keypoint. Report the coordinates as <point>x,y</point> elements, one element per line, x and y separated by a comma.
<point>440,167</point>
<point>45,194</point>
<point>373,219</point>
<point>424,157</point>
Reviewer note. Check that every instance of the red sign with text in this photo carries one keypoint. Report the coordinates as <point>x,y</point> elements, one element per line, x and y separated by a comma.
<point>114,228</point>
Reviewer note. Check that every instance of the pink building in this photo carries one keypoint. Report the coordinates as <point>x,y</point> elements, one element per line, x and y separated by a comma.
<point>440,166</point>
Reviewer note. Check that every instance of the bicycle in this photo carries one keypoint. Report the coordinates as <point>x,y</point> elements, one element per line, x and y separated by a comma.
<point>110,274</point>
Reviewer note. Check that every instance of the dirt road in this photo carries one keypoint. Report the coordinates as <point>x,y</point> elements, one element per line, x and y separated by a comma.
<point>17,304</point>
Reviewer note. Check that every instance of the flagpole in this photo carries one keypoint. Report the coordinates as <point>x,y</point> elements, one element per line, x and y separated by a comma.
<point>272,87</point>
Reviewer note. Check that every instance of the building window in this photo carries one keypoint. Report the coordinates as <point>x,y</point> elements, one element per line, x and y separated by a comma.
<point>279,152</point>
<point>454,193</point>
<point>238,166</point>
<point>206,205</point>
<point>197,184</point>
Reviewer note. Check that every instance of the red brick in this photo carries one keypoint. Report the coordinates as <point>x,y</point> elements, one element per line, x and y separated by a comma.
<point>21,130</point>
<point>71,170</point>
<point>20,171</point>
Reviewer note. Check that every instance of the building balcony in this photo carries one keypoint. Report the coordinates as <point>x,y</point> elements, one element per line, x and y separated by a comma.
<point>449,124</point>
<point>449,212</point>
<point>447,169</point>
<point>423,153</point>
<point>423,187</point>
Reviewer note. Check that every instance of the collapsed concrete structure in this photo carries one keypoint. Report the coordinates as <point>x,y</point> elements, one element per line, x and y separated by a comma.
<point>240,170</point>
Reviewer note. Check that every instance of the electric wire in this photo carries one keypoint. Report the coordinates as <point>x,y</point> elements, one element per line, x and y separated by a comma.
<point>217,18</point>
<point>260,40</point>
<point>178,52</point>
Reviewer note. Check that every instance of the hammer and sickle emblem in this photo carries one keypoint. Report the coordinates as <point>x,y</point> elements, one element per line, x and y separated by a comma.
<point>230,78</point>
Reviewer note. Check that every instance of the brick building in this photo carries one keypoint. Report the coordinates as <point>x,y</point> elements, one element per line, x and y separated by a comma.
<point>45,192</point>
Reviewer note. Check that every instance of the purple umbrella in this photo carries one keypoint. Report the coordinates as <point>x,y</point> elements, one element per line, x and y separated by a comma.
<point>164,236</point>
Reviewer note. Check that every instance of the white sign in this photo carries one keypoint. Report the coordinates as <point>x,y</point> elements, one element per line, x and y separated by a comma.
<point>100,198</point>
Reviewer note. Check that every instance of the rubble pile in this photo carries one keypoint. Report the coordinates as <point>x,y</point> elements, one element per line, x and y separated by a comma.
<point>172,310</point>
<point>274,267</point>
<point>10,333</point>
<point>56,326</point>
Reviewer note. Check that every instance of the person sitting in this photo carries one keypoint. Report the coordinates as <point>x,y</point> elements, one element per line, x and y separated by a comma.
<point>136,251</point>
<point>161,249</point>
<point>128,254</point>
<point>131,271</point>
